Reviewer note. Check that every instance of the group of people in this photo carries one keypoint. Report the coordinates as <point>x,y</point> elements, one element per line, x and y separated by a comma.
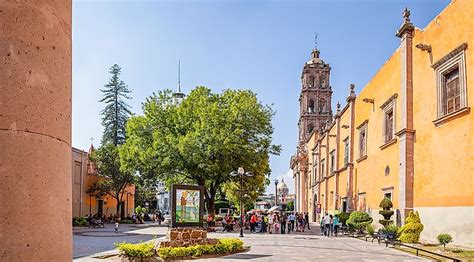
<point>329,225</point>
<point>278,222</point>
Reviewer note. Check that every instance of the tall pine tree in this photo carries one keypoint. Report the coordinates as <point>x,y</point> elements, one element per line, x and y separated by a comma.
<point>107,158</point>
<point>116,111</point>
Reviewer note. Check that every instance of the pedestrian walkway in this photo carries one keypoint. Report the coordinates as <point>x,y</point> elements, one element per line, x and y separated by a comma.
<point>299,246</point>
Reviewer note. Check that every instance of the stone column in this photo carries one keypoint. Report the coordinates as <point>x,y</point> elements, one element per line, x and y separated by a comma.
<point>351,197</point>
<point>406,133</point>
<point>35,130</point>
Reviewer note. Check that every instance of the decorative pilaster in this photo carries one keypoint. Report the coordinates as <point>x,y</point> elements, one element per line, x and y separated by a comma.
<point>406,134</point>
<point>350,195</point>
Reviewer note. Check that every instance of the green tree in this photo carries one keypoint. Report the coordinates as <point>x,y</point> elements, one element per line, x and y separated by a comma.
<point>411,231</point>
<point>116,111</point>
<point>114,180</point>
<point>145,190</point>
<point>202,139</point>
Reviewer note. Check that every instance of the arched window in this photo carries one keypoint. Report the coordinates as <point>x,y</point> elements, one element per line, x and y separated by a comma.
<point>311,106</point>
<point>310,128</point>
<point>311,81</point>
<point>322,83</point>
<point>322,105</point>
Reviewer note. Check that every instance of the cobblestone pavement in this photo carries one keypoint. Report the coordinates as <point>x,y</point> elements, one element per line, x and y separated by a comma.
<point>307,246</point>
<point>89,241</point>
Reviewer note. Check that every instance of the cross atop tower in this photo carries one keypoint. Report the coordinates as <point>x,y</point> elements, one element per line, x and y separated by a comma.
<point>315,40</point>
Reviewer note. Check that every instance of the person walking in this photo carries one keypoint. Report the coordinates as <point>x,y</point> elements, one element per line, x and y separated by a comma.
<point>331,226</point>
<point>335,224</point>
<point>276,222</point>
<point>306,218</point>
<point>283,223</point>
<point>253,222</point>
<point>292,219</point>
<point>327,224</point>
<point>270,223</point>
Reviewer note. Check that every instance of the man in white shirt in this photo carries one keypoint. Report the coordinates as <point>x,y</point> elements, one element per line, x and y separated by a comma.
<point>327,224</point>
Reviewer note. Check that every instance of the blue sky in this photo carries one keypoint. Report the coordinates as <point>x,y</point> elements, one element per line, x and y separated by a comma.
<point>257,45</point>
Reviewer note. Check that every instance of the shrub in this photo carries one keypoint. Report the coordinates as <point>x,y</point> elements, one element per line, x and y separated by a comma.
<point>386,204</point>
<point>140,250</point>
<point>224,246</point>
<point>391,230</point>
<point>126,221</point>
<point>359,220</point>
<point>79,221</point>
<point>444,239</point>
<point>343,217</point>
<point>370,229</point>
<point>410,232</point>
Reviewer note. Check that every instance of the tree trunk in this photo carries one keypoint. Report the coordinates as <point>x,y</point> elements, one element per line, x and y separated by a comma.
<point>118,204</point>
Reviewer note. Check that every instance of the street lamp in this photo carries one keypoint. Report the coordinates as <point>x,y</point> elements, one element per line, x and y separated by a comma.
<point>241,173</point>
<point>276,192</point>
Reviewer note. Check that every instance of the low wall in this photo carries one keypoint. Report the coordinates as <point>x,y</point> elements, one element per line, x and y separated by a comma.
<point>188,236</point>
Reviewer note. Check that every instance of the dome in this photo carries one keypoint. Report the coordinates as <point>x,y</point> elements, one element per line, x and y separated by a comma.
<point>315,58</point>
<point>282,186</point>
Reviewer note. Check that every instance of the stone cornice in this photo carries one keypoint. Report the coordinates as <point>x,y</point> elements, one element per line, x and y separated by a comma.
<point>407,27</point>
<point>451,54</point>
<point>393,97</point>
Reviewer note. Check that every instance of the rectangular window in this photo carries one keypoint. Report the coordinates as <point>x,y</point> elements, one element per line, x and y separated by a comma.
<point>346,151</point>
<point>322,169</point>
<point>451,81</point>
<point>452,91</point>
<point>331,197</point>
<point>333,161</point>
<point>389,125</point>
<point>363,139</point>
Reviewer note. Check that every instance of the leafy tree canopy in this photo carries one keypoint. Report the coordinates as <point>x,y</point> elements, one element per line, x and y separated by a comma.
<point>201,140</point>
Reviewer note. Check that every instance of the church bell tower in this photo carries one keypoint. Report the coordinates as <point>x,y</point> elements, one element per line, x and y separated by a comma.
<point>315,97</point>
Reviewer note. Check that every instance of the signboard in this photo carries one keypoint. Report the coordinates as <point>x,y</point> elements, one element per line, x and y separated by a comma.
<point>318,209</point>
<point>187,205</point>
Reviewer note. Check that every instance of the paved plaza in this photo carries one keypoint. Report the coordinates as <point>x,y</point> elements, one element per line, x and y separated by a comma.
<point>90,241</point>
<point>307,246</point>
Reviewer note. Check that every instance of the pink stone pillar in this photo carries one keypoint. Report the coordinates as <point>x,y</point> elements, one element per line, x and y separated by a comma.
<point>35,130</point>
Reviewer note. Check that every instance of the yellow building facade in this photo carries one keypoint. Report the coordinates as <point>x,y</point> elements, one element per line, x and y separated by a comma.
<point>408,135</point>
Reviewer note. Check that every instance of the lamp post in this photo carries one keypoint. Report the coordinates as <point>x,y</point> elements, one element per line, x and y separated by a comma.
<point>276,192</point>
<point>241,173</point>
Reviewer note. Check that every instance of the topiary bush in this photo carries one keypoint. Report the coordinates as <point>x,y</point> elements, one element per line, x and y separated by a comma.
<point>386,204</point>
<point>343,217</point>
<point>140,250</point>
<point>444,239</point>
<point>370,229</point>
<point>359,220</point>
<point>411,231</point>
<point>79,221</point>
<point>224,246</point>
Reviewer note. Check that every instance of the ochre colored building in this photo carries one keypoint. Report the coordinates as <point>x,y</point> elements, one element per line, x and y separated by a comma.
<point>408,135</point>
<point>84,174</point>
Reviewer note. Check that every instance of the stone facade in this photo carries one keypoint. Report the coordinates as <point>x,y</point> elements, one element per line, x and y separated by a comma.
<point>184,237</point>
